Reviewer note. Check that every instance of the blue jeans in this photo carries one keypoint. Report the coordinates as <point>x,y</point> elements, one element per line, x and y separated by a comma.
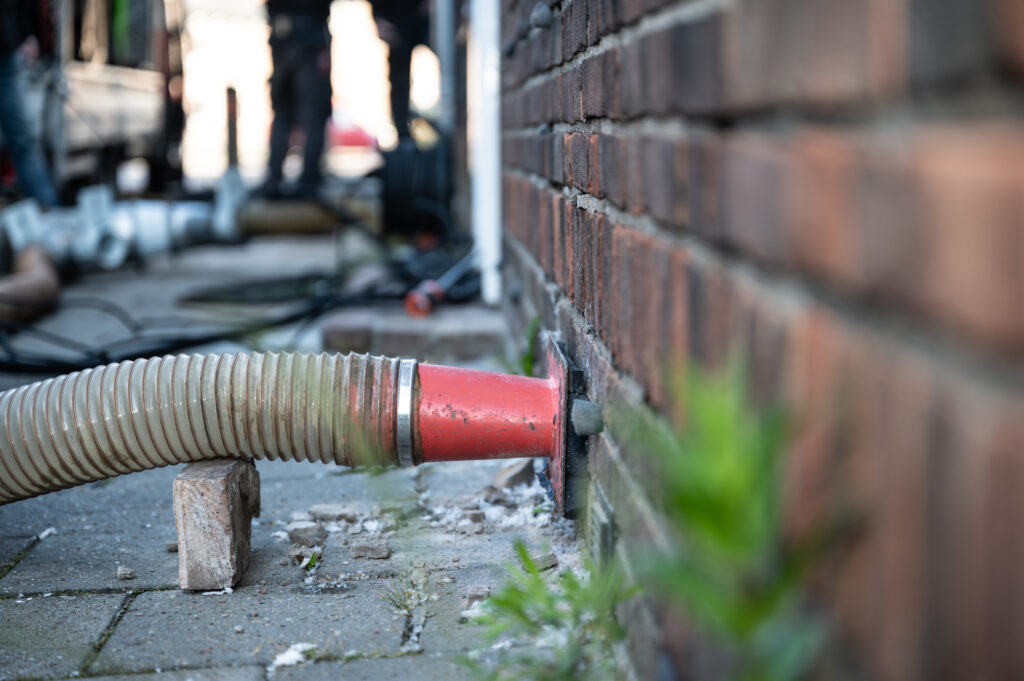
<point>21,144</point>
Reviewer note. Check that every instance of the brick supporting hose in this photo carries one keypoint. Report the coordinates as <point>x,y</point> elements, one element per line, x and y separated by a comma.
<point>344,409</point>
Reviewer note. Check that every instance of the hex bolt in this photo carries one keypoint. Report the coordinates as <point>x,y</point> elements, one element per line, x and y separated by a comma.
<point>586,417</point>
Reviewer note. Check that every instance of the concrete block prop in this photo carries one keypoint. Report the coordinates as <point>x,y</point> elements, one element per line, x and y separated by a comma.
<point>214,504</point>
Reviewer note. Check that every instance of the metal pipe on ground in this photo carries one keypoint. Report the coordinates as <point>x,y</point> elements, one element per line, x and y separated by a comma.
<point>344,409</point>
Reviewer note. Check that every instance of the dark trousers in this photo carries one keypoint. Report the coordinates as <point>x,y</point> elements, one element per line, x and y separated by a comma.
<point>413,29</point>
<point>300,94</point>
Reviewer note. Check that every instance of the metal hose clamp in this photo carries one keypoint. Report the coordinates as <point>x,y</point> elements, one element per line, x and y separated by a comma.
<point>403,424</point>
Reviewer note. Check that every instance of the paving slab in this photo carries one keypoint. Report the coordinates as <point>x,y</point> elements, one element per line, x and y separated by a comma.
<point>252,673</point>
<point>10,547</point>
<point>88,561</point>
<point>51,637</point>
<point>95,506</point>
<point>423,666</point>
<point>445,632</point>
<point>282,496</point>
<point>174,629</point>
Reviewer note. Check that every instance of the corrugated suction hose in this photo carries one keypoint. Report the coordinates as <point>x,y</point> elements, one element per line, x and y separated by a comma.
<point>147,413</point>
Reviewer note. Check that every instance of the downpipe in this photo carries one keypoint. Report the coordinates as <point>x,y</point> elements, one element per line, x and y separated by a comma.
<point>351,410</point>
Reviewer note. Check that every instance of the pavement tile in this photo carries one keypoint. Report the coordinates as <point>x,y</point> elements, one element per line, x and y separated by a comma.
<point>11,547</point>
<point>443,632</point>
<point>51,637</point>
<point>282,496</point>
<point>423,666</point>
<point>174,629</point>
<point>255,673</point>
<point>89,561</point>
<point>99,506</point>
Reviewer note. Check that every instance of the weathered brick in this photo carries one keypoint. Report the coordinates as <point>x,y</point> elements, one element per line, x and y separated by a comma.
<point>579,153</point>
<point>559,228</point>
<point>594,185</point>
<point>661,81</point>
<point>632,89</point>
<point>705,182</point>
<point>1009,25</point>
<point>975,276</point>
<point>611,159</point>
<point>214,504</point>
<point>665,179</point>
<point>594,93</point>
<point>753,175</point>
<point>948,39</point>
<point>819,53</point>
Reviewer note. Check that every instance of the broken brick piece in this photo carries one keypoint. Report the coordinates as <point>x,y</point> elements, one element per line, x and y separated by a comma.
<point>214,504</point>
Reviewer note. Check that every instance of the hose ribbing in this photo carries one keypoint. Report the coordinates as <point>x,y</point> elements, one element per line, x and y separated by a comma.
<point>148,413</point>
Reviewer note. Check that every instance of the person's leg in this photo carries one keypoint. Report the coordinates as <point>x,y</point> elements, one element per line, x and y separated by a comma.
<point>314,93</point>
<point>399,67</point>
<point>281,127</point>
<point>24,149</point>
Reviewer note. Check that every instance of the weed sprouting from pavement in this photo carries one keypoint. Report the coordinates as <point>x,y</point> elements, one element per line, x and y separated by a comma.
<point>551,630</point>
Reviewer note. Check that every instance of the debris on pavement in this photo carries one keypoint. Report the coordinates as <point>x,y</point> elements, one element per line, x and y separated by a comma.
<point>171,546</point>
<point>295,654</point>
<point>124,572</point>
<point>377,548</point>
<point>547,561</point>
<point>306,533</point>
<point>49,531</point>
<point>333,513</point>
<point>476,594</point>
<point>514,474</point>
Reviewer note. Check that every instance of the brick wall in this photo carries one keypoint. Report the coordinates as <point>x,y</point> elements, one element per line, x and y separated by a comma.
<point>836,188</point>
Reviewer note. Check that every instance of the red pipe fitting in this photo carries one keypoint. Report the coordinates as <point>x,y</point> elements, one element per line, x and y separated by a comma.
<point>450,414</point>
<point>464,414</point>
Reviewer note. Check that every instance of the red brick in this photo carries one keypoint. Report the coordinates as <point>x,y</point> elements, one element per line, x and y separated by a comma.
<point>579,154</point>
<point>593,82</point>
<point>629,11</point>
<point>594,166</point>
<point>665,181</point>
<point>558,229</point>
<point>572,95</point>
<point>811,51</point>
<point>632,86</point>
<point>753,173</point>
<point>610,82</point>
<point>660,75</point>
<point>612,160</point>
<point>566,158</point>
<point>972,202</point>
<point>634,168</point>
<point>1009,27</point>
<point>602,236</point>
<point>705,175</point>
<point>544,228</point>
<point>622,318</point>
<point>820,205</point>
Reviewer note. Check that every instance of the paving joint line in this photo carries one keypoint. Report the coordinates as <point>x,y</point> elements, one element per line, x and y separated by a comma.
<point>106,591</point>
<point>105,635</point>
<point>6,568</point>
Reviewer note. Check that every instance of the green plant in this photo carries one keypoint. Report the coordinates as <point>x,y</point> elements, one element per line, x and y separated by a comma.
<point>732,573</point>
<point>527,360</point>
<point>556,631</point>
<point>403,595</point>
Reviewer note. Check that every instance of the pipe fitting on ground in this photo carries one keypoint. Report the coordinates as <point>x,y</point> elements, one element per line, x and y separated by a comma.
<point>352,410</point>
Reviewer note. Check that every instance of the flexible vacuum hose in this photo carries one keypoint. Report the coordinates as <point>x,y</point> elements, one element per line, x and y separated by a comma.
<point>147,413</point>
